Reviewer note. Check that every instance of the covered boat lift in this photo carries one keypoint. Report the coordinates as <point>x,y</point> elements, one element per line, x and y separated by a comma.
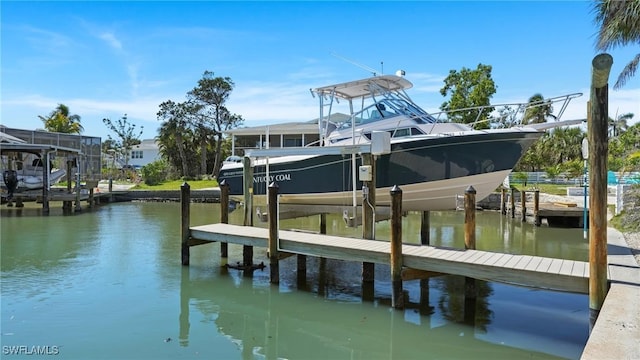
<point>79,152</point>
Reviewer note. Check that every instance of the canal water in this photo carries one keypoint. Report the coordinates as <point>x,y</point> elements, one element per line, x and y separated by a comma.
<point>108,284</point>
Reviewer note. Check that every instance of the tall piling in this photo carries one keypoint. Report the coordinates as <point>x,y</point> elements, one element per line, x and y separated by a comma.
<point>224,215</point>
<point>425,229</point>
<point>397,300</point>
<point>185,216</point>
<point>247,250</point>
<point>598,153</point>
<point>523,203</point>
<point>536,207</point>
<point>274,265</point>
<point>470,288</point>
<point>470,218</point>
<point>512,202</point>
<point>368,215</point>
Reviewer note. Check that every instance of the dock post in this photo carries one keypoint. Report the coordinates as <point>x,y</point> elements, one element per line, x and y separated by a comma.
<point>503,201</point>
<point>368,214</point>
<point>45,189</point>
<point>247,250</point>
<point>274,273</point>
<point>470,218</point>
<point>512,202</point>
<point>397,300</point>
<point>425,229</point>
<point>598,151</point>
<point>91,200</point>
<point>523,201</point>
<point>536,207</point>
<point>185,216</point>
<point>469,244</point>
<point>224,214</point>
<point>323,223</point>
<point>301,270</point>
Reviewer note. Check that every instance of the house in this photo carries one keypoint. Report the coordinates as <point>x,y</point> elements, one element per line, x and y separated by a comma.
<point>144,153</point>
<point>293,134</point>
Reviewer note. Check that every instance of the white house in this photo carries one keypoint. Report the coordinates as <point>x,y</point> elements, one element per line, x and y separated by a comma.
<point>144,153</point>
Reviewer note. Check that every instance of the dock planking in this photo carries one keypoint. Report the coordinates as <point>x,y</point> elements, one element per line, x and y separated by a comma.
<point>525,270</point>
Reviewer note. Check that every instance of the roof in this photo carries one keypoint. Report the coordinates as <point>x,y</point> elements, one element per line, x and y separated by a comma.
<point>284,129</point>
<point>6,138</point>
<point>360,88</point>
<point>292,128</point>
<point>35,148</point>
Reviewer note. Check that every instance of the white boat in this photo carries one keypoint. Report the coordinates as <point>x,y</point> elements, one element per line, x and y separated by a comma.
<point>431,160</point>
<point>26,174</point>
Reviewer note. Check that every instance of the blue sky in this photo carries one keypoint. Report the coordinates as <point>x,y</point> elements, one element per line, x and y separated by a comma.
<point>107,59</point>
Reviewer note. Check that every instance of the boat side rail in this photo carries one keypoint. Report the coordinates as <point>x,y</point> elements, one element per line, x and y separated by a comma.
<point>503,111</point>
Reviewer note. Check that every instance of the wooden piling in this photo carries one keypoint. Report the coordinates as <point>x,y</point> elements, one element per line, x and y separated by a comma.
<point>185,216</point>
<point>598,153</point>
<point>523,203</point>
<point>425,229</point>
<point>469,244</point>
<point>323,223</point>
<point>503,201</point>
<point>224,214</point>
<point>397,300</point>
<point>272,253</point>
<point>247,251</point>
<point>301,270</point>
<point>45,189</point>
<point>470,218</point>
<point>536,207</point>
<point>512,201</point>
<point>368,213</point>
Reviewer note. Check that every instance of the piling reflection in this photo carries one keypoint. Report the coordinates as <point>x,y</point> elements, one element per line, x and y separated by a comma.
<point>275,322</point>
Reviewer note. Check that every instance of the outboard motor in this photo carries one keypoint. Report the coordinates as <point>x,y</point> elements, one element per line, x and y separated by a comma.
<point>11,180</point>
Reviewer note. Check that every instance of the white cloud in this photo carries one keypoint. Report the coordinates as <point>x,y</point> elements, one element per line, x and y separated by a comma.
<point>111,40</point>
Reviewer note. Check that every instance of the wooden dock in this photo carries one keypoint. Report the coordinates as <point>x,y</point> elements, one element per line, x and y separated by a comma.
<point>555,214</point>
<point>533,211</point>
<point>547,273</point>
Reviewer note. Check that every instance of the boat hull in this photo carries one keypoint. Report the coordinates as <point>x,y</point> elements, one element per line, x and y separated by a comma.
<point>431,171</point>
<point>34,182</point>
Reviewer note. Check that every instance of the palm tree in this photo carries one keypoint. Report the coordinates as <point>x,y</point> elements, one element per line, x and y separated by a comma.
<point>619,124</point>
<point>618,21</point>
<point>538,110</point>
<point>60,121</point>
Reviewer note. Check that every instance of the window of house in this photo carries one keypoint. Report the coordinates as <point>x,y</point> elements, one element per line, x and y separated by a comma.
<point>136,154</point>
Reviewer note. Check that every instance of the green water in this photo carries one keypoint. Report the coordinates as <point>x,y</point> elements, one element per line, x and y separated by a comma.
<point>108,284</point>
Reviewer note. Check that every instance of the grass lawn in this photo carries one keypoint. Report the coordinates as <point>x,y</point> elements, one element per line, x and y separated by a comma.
<point>175,185</point>
<point>552,189</point>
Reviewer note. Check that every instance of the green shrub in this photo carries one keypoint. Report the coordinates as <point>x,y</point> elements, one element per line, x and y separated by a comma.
<point>155,173</point>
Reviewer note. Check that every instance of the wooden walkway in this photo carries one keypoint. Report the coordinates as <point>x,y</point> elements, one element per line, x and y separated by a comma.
<point>534,271</point>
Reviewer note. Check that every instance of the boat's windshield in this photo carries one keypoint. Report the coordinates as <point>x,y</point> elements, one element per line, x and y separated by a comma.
<point>389,107</point>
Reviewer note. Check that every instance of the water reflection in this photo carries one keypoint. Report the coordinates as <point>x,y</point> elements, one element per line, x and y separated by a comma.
<point>272,322</point>
<point>124,260</point>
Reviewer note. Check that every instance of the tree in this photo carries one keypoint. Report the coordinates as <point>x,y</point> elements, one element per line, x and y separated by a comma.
<point>538,110</point>
<point>173,133</point>
<point>212,117</point>
<point>126,133</point>
<point>59,120</point>
<point>619,124</point>
<point>619,22</point>
<point>469,89</point>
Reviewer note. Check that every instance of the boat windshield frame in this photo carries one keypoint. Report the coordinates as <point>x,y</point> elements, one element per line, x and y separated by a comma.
<point>382,97</point>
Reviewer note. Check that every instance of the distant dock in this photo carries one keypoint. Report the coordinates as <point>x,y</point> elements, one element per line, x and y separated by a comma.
<point>517,204</point>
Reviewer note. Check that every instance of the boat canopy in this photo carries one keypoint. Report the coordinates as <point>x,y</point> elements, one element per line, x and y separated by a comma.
<point>362,88</point>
